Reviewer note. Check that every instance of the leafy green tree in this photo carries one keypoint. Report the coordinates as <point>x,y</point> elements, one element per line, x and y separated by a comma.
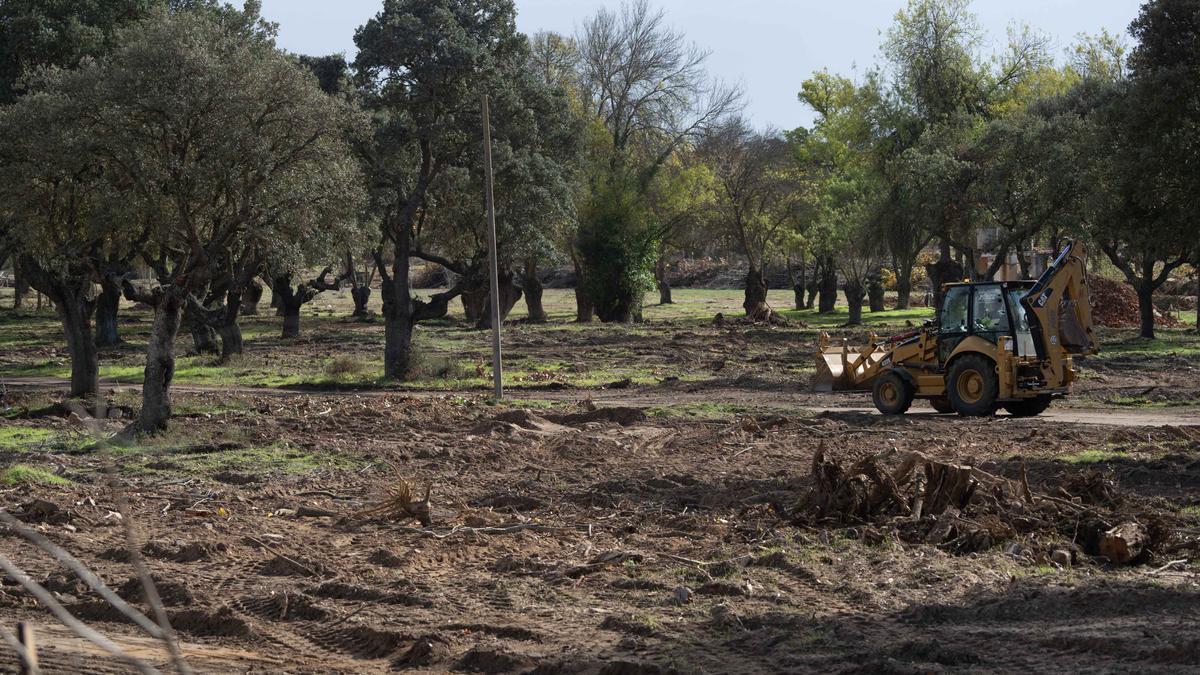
<point>212,138</point>
<point>60,207</point>
<point>422,70</point>
<point>1147,138</point>
<point>62,33</point>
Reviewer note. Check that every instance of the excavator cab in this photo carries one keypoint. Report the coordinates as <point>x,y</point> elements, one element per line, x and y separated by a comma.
<point>989,310</point>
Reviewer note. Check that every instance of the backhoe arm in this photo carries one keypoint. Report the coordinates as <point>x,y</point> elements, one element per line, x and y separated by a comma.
<point>1059,311</point>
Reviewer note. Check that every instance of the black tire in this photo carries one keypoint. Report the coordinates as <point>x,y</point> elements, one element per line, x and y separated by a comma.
<point>892,394</point>
<point>972,386</point>
<point>1030,407</point>
<point>941,405</point>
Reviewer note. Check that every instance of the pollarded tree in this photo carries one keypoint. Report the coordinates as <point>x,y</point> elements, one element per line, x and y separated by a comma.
<point>213,138</point>
<point>422,70</point>
<point>647,86</point>
<point>753,198</point>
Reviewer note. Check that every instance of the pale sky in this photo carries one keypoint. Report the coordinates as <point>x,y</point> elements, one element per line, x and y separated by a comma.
<point>770,46</point>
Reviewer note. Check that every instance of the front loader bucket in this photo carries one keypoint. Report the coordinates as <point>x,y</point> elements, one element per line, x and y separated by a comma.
<point>829,371</point>
<point>842,368</point>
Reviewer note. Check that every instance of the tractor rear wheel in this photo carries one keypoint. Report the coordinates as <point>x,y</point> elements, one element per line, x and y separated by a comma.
<point>972,386</point>
<point>942,405</point>
<point>892,394</point>
<point>1029,407</point>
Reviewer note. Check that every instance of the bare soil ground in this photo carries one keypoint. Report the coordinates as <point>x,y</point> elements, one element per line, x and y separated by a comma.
<point>599,525</point>
<point>568,539</point>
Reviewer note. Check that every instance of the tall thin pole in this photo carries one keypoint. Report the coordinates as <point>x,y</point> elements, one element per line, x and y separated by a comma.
<point>497,365</point>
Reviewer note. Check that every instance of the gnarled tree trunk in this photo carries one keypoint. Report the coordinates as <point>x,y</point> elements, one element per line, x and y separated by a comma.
<point>290,302</point>
<point>827,289</point>
<point>71,295</point>
<point>585,310</point>
<point>755,302</point>
<point>361,295</point>
<point>875,294</point>
<point>228,328</point>
<point>107,306</point>
<point>904,285</point>
<point>160,359</point>
<point>944,271</point>
<point>855,293</point>
<point>204,337</point>
<point>251,297</point>
<point>664,284</point>
<point>510,295</point>
<point>533,292</point>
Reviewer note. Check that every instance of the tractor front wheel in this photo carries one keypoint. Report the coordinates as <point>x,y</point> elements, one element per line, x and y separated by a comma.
<point>973,386</point>
<point>892,394</point>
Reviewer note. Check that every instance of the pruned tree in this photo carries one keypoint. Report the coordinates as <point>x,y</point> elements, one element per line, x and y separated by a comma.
<point>753,202</point>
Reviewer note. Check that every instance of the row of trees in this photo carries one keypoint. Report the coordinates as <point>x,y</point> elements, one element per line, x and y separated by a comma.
<point>174,136</point>
<point>943,144</point>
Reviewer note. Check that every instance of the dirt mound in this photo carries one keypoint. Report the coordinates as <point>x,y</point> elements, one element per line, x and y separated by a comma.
<point>625,417</point>
<point>1115,305</point>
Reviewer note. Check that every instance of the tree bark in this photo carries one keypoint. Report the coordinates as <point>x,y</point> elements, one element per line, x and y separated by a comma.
<point>20,285</point>
<point>398,319</point>
<point>1145,295</point>
<point>585,310</point>
<point>107,306</point>
<point>160,361</point>
<point>251,297</point>
<point>204,337</point>
<point>944,271</point>
<point>71,298</point>
<point>533,292</point>
<point>904,285</point>
<point>290,303</point>
<point>361,296</point>
<point>828,288</point>
<point>510,295</point>
<point>664,284</point>
<point>855,293</point>
<point>814,285</point>
<point>228,329</point>
<point>1196,265</point>
<point>755,302</point>
<point>875,294</point>
<point>798,281</point>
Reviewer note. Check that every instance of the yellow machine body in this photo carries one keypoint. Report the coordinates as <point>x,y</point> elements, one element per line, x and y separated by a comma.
<point>994,344</point>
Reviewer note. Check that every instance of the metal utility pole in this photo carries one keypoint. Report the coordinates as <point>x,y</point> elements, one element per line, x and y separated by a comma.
<point>497,366</point>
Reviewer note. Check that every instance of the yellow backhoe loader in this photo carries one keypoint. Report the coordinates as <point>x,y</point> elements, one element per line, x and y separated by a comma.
<point>993,345</point>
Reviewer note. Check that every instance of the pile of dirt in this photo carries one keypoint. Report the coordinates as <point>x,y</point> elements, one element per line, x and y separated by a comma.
<point>1115,305</point>
<point>963,509</point>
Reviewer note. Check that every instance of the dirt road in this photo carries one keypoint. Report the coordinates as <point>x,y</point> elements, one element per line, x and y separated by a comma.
<point>794,401</point>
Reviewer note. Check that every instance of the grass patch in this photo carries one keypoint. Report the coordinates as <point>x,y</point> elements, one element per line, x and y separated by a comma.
<point>20,438</point>
<point>1091,457</point>
<point>21,474</point>
<point>258,461</point>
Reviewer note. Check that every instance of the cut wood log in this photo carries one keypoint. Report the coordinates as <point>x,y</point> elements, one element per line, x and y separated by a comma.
<point>1124,543</point>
